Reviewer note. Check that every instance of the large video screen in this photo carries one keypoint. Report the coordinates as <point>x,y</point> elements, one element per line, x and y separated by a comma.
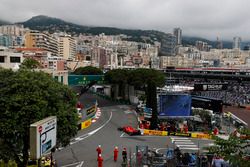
<point>175,105</point>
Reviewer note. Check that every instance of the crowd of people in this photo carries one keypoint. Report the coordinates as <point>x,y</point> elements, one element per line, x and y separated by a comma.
<point>236,93</point>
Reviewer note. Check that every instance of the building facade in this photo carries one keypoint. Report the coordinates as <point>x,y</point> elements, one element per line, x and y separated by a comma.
<point>178,34</point>
<point>168,45</point>
<point>36,39</point>
<point>236,43</point>
<point>10,59</point>
<point>67,47</point>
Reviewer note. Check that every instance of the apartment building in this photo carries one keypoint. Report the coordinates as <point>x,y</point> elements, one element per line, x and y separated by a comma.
<point>10,59</point>
<point>14,30</point>
<point>36,39</point>
<point>67,47</point>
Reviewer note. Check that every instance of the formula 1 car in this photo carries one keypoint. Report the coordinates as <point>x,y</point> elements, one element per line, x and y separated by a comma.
<point>130,130</point>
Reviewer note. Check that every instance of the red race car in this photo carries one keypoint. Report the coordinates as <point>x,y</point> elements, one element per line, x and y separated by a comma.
<point>130,130</point>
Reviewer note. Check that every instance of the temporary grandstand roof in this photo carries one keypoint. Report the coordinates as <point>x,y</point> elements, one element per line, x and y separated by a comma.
<point>176,88</point>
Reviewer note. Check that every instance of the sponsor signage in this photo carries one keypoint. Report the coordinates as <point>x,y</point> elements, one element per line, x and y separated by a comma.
<point>154,132</point>
<point>86,124</point>
<point>90,110</point>
<point>210,87</point>
<point>201,135</point>
<point>42,137</point>
<point>179,134</point>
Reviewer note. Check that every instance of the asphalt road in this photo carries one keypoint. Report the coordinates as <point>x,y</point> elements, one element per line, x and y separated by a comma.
<point>82,151</point>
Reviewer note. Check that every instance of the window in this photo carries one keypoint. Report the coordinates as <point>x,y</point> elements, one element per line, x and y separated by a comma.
<point>15,59</point>
<point>1,59</point>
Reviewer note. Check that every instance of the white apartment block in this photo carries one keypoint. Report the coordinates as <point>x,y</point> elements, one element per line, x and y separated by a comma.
<point>10,59</point>
<point>14,30</point>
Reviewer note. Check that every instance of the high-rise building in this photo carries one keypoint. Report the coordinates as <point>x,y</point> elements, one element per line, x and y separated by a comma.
<point>178,34</point>
<point>36,39</point>
<point>15,30</point>
<point>168,45</point>
<point>236,42</point>
<point>6,40</point>
<point>67,47</point>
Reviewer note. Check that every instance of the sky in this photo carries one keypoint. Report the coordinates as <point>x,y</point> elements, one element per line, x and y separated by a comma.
<point>201,18</point>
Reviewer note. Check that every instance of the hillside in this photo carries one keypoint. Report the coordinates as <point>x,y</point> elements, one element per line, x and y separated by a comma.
<point>45,23</point>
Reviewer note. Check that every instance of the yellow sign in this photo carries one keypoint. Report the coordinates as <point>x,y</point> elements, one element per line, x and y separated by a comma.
<point>201,135</point>
<point>154,132</point>
<point>86,124</point>
<point>91,110</point>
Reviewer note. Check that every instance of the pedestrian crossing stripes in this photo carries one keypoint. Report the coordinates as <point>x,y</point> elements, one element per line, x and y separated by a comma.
<point>184,143</point>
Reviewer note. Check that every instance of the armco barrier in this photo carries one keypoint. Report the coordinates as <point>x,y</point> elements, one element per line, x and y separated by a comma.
<point>154,132</point>
<point>201,135</point>
<point>165,133</point>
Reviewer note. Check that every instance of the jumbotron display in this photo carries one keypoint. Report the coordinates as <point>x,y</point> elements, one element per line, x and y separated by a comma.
<point>175,105</point>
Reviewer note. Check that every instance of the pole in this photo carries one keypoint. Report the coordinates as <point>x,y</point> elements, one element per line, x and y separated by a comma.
<point>39,162</point>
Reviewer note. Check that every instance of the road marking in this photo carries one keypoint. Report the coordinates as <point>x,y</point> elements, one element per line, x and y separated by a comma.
<point>188,148</point>
<point>184,143</point>
<point>78,164</point>
<point>82,137</point>
<point>187,145</point>
<point>184,138</point>
<point>181,140</point>
<point>158,149</point>
<point>122,135</point>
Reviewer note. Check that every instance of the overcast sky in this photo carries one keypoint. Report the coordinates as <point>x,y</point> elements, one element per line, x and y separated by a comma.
<point>203,18</point>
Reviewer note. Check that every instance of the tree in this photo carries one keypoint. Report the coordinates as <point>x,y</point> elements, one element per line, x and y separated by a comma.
<point>88,70</point>
<point>141,76</point>
<point>148,80</point>
<point>152,103</point>
<point>235,149</point>
<point>30,63</point>
<point>119,77</point>
<point>27,97</point>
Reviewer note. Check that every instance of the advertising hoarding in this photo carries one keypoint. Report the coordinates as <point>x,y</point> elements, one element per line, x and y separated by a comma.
<point>210,86</point>
<point>42,137</point>
<point>174,105</point>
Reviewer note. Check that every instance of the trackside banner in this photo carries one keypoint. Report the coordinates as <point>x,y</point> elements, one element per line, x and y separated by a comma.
<point>210,87</point>
<point>165,133</point>
<point>154,132</point>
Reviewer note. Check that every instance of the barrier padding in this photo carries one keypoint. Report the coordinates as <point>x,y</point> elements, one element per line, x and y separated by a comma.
<point>165,133</point>
<point>86,124</point>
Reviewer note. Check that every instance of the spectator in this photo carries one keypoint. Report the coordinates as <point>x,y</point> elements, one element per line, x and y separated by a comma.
<point>124,155</point>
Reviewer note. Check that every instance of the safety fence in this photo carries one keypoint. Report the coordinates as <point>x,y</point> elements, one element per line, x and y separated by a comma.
<point>166,133</point>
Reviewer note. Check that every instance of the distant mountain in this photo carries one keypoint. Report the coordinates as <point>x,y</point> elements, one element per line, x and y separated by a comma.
<point>45,23</point>
<point>2,22</point>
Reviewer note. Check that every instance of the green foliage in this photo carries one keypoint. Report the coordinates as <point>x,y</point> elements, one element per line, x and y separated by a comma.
<point>27,97</point>
<point>234,149</point>
<point>119,77</point>
<point>88,70</point>
<point>140,77</point>
<point>30,63</point>
<point>152,103</point>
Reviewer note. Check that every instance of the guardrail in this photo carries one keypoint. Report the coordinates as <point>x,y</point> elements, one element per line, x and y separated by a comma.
<point>166,133</point>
